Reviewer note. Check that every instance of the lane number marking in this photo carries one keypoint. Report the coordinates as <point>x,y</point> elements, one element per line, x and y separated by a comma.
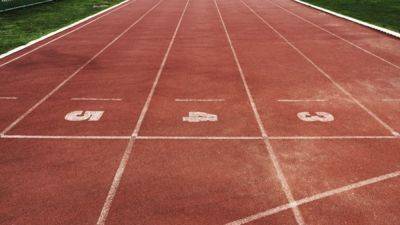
<point>195,117</point>
<point>84,116</point>
<point>319,117</point>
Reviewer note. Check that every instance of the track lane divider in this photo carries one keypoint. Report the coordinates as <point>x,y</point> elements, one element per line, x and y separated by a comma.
<point>64,137</point>
<point>278,170</point>
<point>129,148</point>
<point>89,137</point>
<point>77,71</point>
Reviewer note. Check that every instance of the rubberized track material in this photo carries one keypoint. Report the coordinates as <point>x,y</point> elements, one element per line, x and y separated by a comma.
<point>202,112</point>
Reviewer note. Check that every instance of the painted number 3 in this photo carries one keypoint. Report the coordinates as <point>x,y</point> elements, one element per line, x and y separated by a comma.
<point>319,116</point>
<point>84,115</point>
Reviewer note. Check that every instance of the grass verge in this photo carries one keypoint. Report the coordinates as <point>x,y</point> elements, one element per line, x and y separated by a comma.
<point>21,26</point>
<point>383,13</point>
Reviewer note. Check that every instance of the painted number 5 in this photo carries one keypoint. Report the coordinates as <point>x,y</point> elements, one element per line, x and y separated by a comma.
<point>84,115</point>
<point>319,116</point>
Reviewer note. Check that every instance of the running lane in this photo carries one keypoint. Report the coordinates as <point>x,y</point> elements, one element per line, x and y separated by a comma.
<point>373,82</point>
<point>116,83</point>
<point>33,76</point>
<point>200,67</point>
<point>198,181</point>
<point>287,89</point>
<point>55,181</point>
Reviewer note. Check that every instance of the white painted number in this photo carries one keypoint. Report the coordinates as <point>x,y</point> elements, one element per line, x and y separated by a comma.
<point>84,115</point>
<point>195,117</point>
<point>320,117</point>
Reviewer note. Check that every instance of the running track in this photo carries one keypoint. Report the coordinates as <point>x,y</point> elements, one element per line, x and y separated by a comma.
<point>262,68</point>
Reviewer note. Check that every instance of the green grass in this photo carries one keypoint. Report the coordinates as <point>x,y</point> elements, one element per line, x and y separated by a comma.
<point>21,26</point>
<point>384,13</point>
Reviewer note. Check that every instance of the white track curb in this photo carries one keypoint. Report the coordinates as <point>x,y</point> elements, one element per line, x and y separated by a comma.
<point>381,29</point>
<point>58,31</point>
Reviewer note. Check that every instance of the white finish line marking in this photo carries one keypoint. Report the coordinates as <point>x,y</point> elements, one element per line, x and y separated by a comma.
<point>20,136</point>
<point>302,100</point>
<point>330,137</point>
<point>199,100</point>
<point>96,99</point>
<point>198,138</point>
<point>8,98</point>
<point>6,136</point>
<point>315,198</point>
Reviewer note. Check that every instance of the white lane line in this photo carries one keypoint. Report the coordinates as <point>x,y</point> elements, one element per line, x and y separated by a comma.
<point>96,99</point>
<point>198,138</point>
<point>199,100</point>
<point>261,214</point>
<point>349,95</point>
<point>62,137</point>
<point>124,161</point>
<point>316,197</point>
<point>329,137</point>
<point>302,100</point>
<point>337,36</point>
<point>391,100</point>
<point>77,71</point>
<point>109,11</point>
<point>8,98</point>
<point>275,162</point>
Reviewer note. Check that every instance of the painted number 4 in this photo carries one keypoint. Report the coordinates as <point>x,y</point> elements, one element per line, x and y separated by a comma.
<point>84,116</point>
<point>319,116</point>
<point>195,117</point>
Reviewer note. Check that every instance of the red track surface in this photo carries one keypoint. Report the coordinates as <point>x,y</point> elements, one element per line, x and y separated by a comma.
<point>255,64</point>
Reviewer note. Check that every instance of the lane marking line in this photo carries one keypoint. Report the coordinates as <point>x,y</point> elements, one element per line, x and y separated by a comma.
<point>329,137</point>
<point>128,150</point>
<point>336,35</point>
<point>390,100</point>
<point>62,137</point>
<point>198,138</point>
<point>316,197</point>
<point>194,137</point>
<point>108,10</point>
<point>96,99</point>
<point>8,98</point>
<point>199,100</point>
<point>284,185</point>
<point>302,100</point>
<point>76,72</point>
<point>349,95</point>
